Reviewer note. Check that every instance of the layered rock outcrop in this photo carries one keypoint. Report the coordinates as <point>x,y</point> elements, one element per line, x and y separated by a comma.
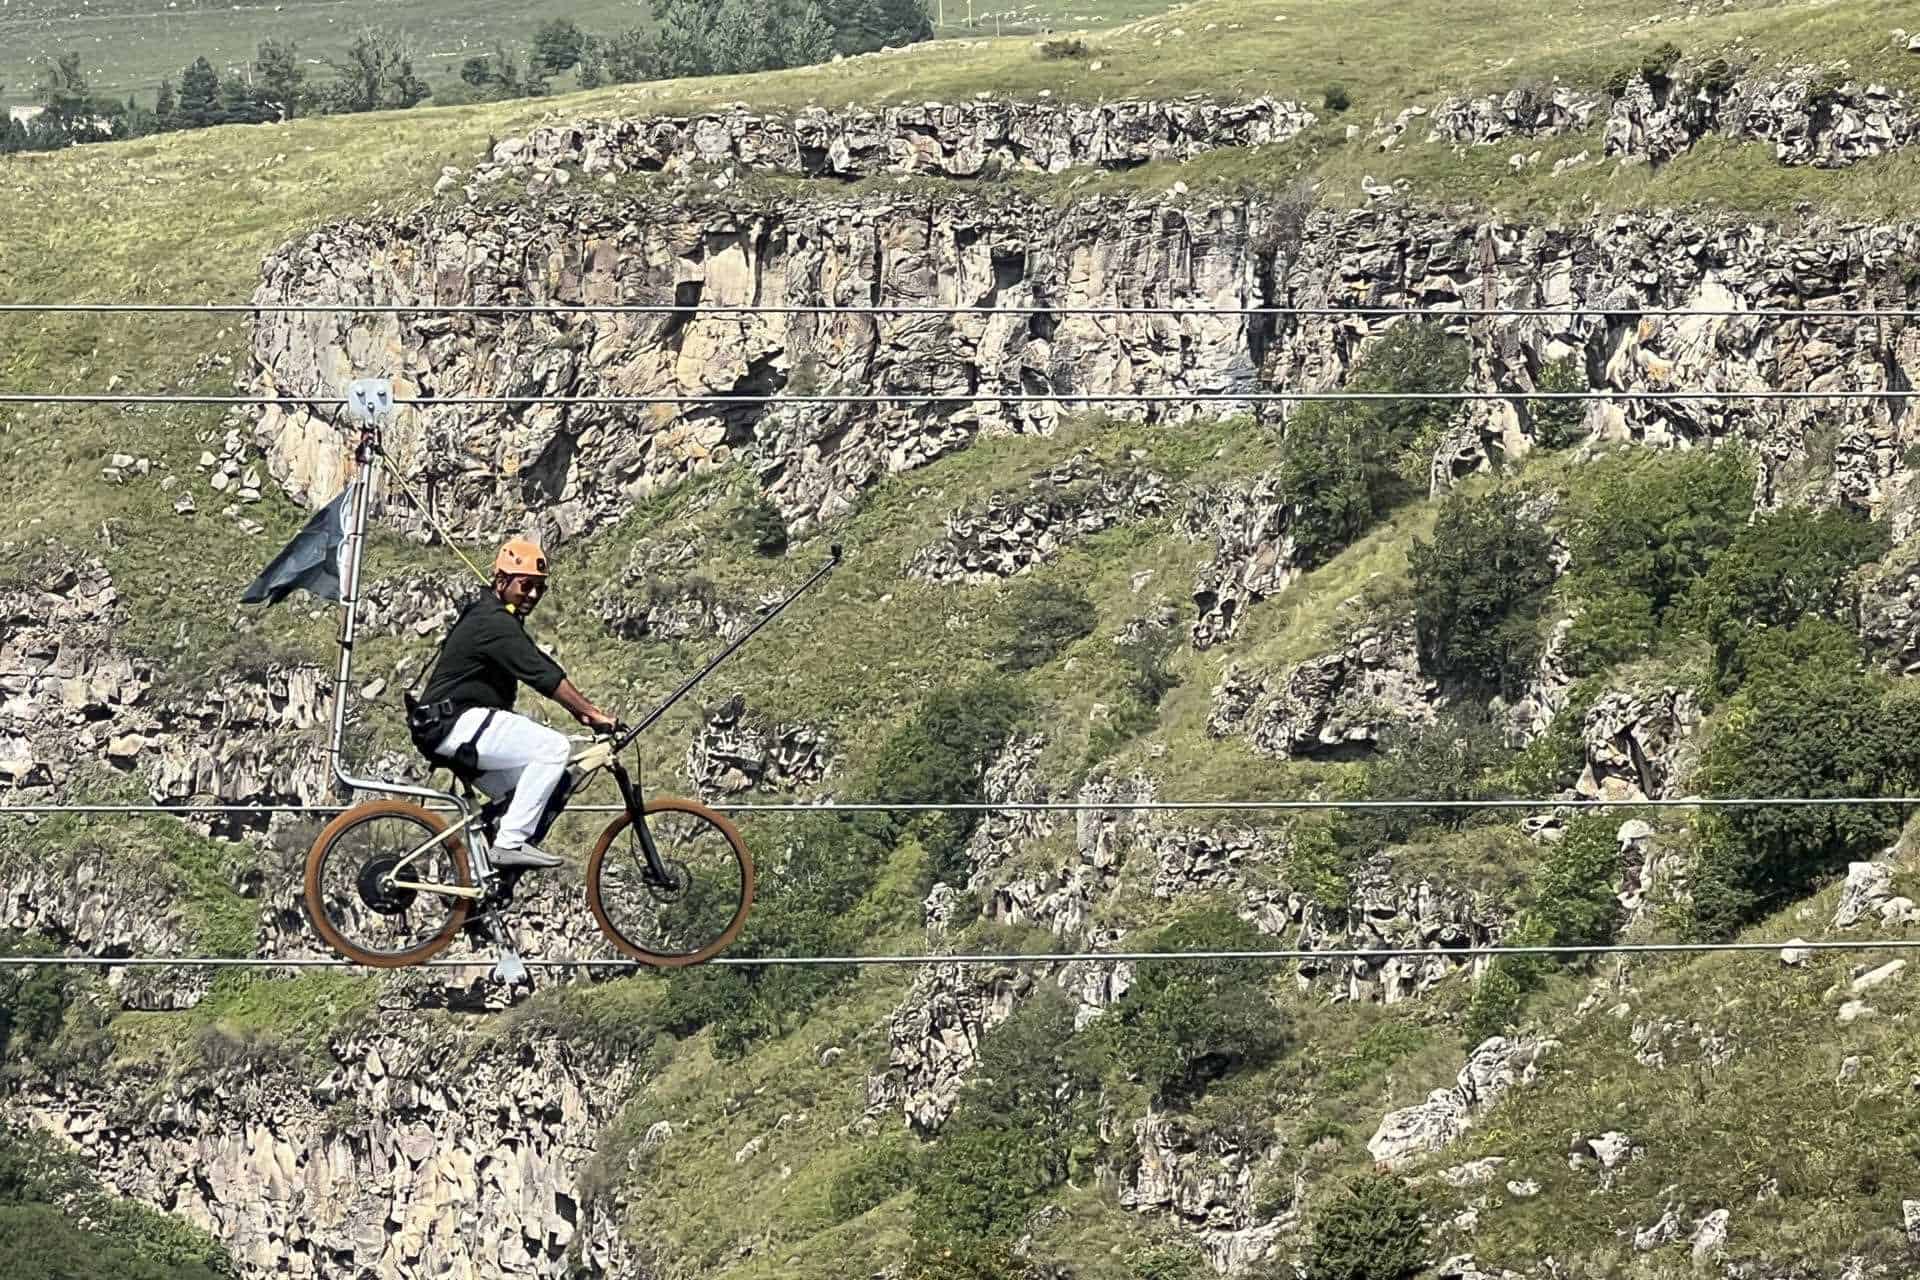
<point>1014,532</point>
<point>977,139</point>
<point>1333,705</point>
<point>72,697</point>
<point>561,469</point>
<point>1639,744</point>
<point>737,750</point>
<point>1495,1067</point>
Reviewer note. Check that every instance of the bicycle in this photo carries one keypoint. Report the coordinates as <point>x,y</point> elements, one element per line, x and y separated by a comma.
<point>374,865</point>
<point>665,910</point>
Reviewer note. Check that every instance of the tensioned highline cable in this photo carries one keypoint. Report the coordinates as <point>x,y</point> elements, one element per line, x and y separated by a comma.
<point>1058,957</point>
<point>1064,806</point>
<point>924,309</point>
<point>928,397</point>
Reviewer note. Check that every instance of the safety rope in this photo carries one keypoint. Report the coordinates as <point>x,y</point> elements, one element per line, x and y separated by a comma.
<point>380,456</point>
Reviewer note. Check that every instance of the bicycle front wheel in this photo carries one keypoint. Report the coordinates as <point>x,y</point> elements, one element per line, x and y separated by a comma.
<point>369,899</point>
<point>697,911</point>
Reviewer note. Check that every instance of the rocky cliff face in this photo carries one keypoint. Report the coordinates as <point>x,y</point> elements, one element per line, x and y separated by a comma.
<point>396,1157</point>
<point>566,469</point>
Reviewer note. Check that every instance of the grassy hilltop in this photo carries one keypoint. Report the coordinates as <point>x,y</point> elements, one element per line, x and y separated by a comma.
<point>1757,1095</point>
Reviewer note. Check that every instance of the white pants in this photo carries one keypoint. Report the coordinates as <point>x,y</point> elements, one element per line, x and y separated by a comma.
<point>518,755</point>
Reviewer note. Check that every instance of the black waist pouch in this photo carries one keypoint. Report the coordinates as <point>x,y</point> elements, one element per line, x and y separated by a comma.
<point>428,724</point>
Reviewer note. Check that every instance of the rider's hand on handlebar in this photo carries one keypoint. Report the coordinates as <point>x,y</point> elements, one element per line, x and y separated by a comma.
<point>599,721</point>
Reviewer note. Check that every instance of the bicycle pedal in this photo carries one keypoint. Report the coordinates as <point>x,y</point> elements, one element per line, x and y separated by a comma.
<point>509,968</point>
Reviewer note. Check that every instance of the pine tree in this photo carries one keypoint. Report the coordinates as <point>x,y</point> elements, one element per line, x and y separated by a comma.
<point>63,91</point>
<point>280,76</point>
<point>805,37</point>
<point>377,73</point>
<point>861,26</point>
<point>163,105</point>
<point>557,45</point>
<point>199,103</point>
<point>743,36</point>
<point>685,41</point>
<point>629,57</point>
<point>593,64</point>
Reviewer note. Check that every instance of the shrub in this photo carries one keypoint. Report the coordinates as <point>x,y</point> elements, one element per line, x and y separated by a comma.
<point>1500,996</point>
<point>1374,1231</point>
<point>941,755</point>
<point>1644,532</point>
<point>1654,66</point>
<point>872,1180</point>
<point>1715,79</point>
<point>1184,1023</point>
<point>1063,47</point>
<point>1018,1130</point>
<point>1478,590</point>
<point>1574,905</point>
<point>1446,760</point>
<point>759,525</point>
<point>1044,620</point>
<point>1321,862</point>
<point>1341,468</point>
<point>1168,1262</point>
<point>1148,680</point>
<point>1331,473</point>
<point>33,1001</point>
<point>1786,566</point>
<point>1335,98</point>
<point>1808,722</point>
<point>1556,423</point>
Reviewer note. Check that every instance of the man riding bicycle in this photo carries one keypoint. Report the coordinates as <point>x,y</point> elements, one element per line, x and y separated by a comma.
<point>466,717</point>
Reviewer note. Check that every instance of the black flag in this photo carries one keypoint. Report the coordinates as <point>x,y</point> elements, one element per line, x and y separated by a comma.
<point>315,559</point>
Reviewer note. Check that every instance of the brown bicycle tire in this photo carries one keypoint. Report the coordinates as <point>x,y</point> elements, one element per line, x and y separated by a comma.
<point>354,817</point>
<point>670,804</point>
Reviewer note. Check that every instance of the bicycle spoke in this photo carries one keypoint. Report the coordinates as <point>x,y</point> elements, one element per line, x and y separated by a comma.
<point>700,903</point>
<point>356,892</point>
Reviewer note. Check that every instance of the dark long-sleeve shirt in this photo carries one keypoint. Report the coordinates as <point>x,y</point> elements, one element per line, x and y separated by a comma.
<point>488,655</point>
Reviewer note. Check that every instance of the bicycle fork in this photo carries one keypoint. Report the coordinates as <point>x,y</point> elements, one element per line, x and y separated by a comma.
<point>630,796</point>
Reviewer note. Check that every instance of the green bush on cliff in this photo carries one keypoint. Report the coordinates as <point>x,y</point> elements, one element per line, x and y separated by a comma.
<point>1184,1023</point>
<point>33,1002</point>
<point>1574,905</point>
<point>1026,1123</point>
<point>940,755</point>
<point>1042,620</point>
<point>1645,529</point>
<point>1478,590</point>
<point>1787,565</point>
<point>1344,464</point>
<point>825,864</point>
<point>1375,1230</point>
<point>1810,721</point>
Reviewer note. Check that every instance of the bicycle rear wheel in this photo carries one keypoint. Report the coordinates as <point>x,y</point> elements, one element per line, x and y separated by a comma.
<point>351,901</point>
<point>686,921</point>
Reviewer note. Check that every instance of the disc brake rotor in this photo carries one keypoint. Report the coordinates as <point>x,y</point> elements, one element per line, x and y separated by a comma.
<point>679,880</point>
<point>380,896</point>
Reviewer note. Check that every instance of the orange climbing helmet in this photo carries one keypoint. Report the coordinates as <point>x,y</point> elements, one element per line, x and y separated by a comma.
<point>519,556</point>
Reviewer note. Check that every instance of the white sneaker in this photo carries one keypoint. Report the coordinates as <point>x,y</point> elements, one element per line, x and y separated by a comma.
<point>523,855</point>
